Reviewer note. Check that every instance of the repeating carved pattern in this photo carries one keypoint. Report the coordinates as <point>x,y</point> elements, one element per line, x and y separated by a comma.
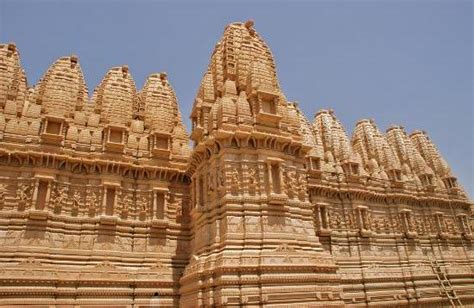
<point>24,194</point>
<point>103,202</point>
<point>58,197</point>
<point>3,193</point>
<point>127,203</point>
<point>77,180</point>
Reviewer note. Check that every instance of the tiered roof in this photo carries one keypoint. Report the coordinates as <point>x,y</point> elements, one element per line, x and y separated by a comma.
<point>116,97</point>
<point>61,99</point>
<point>62,90</point>
<point>13,87</point>
<point>240,91</point>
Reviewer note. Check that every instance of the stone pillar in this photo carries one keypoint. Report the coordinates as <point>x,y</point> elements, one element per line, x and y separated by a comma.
<point>440,225</point>
<point>319,218</point>
<point>465,228</point>
<point>406,218</point>
<point>197,192</point>
<point>282,180</point>
<point>323,218</point>
<point>245,178</point>
<point>104,200</point>
<point>362,217</point>
<point>270,177</point>
<point>154,207</point>
<point>193,193</point>
<point>48,195</point>
<point>35,193</point>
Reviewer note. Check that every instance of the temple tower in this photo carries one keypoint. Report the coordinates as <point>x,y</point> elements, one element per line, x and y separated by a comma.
<point>254,240</point>
<point>104,204</point>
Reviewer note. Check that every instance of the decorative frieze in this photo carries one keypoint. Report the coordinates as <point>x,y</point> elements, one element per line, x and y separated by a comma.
<point>102,201</point>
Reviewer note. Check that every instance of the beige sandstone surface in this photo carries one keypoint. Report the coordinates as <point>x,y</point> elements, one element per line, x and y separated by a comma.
<point>103,202</point>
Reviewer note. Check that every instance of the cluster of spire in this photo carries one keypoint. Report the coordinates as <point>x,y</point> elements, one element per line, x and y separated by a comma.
<point>239,86</point>
<point>394,156</point>
<point>62,93</point>
<point>239,91</point>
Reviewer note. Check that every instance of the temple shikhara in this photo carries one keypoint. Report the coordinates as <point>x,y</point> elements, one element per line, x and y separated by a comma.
<point>108,202</point>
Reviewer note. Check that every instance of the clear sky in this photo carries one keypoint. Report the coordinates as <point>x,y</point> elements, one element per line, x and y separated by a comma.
<point>399,62</point>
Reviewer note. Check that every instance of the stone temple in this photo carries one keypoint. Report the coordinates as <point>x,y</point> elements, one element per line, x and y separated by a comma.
<point>103,202</point>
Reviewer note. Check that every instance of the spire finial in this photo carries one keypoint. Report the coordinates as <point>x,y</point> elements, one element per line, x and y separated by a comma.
<point>249,24</point>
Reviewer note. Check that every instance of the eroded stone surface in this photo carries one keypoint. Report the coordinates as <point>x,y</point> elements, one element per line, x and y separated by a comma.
<point>103,202</point>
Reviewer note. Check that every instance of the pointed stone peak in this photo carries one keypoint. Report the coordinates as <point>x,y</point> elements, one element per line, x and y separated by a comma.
<point>334,138</point>
<point>116,97</point>
<point>430,153</point>
<point>180,144</point>
<point>13,85</point>
<point>309,137</point>
<point>159,104</point>
<point>377,156</point>
<point>412,163</point>
<point>62,90</point>
<point>242,56</point>
<point>241,62</point>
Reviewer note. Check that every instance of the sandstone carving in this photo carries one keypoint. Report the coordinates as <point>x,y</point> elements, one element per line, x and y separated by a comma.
<point>103,202</point>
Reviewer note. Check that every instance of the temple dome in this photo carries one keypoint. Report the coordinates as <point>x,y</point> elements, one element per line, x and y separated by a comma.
<point>372,145</point>
<point>241,56</point>
<point>241,62</point>
<point>62,89</point>
<point>430,153</point>
<point>13,86</point>
<point>116,97</point>
<point>333,135</point>
<point>180,143</point>
<point>206,90</point>
<point>159,103</point>
<point>410,159</point>
<point>309,137</point>
<point>335,143</point>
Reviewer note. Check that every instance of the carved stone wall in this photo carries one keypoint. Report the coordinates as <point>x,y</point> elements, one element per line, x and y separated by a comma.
<point>80,250</point>
<point>93,205</point>
<point>399,228</point>
<point>104,203</point>
<point>251,235</point>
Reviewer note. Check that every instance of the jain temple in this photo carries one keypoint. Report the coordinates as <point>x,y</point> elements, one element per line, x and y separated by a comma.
<point>109,202</point>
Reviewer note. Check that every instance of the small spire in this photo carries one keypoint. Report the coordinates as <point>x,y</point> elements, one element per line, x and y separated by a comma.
<point>321,111</point>
<point>74,59</point>
<point>363,121</point>
<point>392,127</point>
<point>416,132</point>
<point>11,47</point>
<point>249,24</point>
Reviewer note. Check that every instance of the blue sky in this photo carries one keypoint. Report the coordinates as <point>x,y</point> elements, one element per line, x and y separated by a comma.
<point>399,62</point>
